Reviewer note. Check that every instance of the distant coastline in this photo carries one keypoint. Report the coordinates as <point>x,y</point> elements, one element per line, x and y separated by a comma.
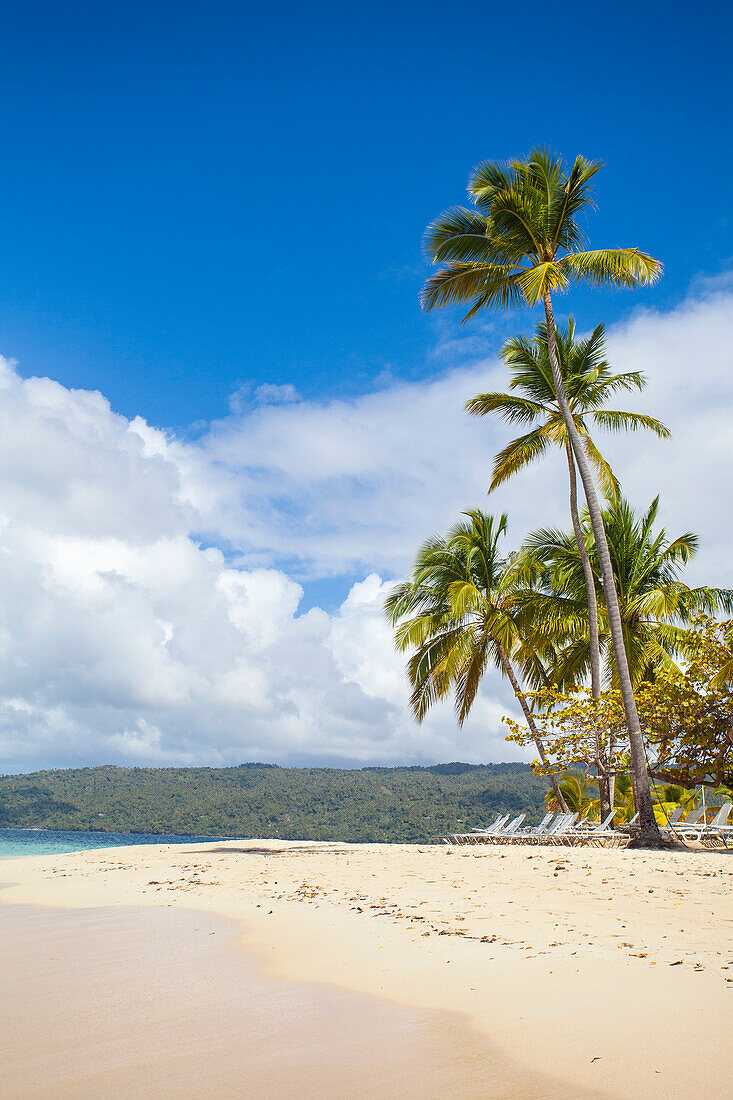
<point>366,805</point>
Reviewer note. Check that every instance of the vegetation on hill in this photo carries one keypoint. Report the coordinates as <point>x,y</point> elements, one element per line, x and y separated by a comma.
<point>370,804</point>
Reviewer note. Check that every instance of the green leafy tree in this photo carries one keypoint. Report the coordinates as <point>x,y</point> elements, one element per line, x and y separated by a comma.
<point>455,618</point>
<point>532,404</point>
<point>521,242</point>
<point>578,729</point>
<point>688,714</point>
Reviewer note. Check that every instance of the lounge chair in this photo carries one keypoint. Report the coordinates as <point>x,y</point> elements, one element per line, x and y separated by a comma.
<point>707,831</point>
<point>676,816</point>
<point>596,834</point>
<point>722,830</point>
<point>502,835</point>
<point>630,826</point>
<point>535,830</point>
<point>692,821</point>
<point>476,835</point>
<point>557,830</point>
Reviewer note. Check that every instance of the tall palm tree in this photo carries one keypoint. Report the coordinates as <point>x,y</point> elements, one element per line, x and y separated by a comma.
<point>522,242</point>
<point>532,403</point>
<point>455,616</point>
<point>655,604</point>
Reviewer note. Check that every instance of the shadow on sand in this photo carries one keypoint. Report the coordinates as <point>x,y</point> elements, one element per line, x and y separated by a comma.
<point>261,850</point>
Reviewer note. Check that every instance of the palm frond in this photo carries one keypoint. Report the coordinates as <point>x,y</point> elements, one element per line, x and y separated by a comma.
<point>542,277</point>
<point>519,453</point>
<point>617,421</point>
<point>487,180</point>
<point>469,679</point>
<point>612,267</point>
<point>485,285</point>
<point>570,201</point>
<point>512,409</point>
<point>629,380</point>
<point>458,236</point>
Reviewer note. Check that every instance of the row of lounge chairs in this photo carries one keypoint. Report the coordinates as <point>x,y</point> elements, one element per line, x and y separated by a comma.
<point>553,829</point>
<point>566,829</point>
<point>711,833</point>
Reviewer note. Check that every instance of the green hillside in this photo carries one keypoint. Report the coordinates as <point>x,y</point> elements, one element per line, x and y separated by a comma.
<point>370,804</point>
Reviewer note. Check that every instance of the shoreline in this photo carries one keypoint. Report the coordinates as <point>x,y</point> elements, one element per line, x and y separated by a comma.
<point>560,958</point>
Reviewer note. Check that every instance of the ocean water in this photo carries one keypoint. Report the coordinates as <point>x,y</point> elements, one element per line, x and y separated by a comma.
<point>38,842</point>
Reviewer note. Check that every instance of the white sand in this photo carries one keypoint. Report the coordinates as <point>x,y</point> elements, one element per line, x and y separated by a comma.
<point>608,972</point>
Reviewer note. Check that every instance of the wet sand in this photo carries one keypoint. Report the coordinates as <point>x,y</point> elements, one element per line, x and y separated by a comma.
<point>133,1002</point>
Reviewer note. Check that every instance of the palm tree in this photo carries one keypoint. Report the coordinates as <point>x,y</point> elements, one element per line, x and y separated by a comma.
<point>522,242</point>
<point>670,797</point>
<point>655,604</point>
<point>579,793</point>
<point>455,615</point>
<point>532,403</point>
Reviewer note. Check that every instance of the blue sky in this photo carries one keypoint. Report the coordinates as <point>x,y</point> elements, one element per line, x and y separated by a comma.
<point>199,198</point>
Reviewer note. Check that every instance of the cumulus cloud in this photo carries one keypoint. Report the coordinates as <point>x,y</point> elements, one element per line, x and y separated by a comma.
<point>151,587</point>
<point>345,486</point>
<point>125,638</point>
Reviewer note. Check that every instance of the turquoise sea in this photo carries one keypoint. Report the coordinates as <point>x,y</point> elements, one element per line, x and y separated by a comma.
<point>39,842</point>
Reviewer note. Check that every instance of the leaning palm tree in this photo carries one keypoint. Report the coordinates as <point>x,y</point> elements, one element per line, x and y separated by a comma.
<point>655,604</point>
<point>589,383</point>
<point>521,242</point>
<point>455,616</point>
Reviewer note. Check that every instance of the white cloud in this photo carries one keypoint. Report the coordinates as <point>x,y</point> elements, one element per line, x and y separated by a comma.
<point>348,486</point>
<point>150,587</point>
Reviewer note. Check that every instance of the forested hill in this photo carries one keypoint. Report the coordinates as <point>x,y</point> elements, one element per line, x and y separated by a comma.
<point>261,800</point>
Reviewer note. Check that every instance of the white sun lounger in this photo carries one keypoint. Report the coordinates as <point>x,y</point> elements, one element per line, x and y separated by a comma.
<point>683,829</point>
<point>476,836</point>
<point>554,834</point>
<point>507,834</point>
<point>536,830</point>
<point>594,834</point>
<point>676,816</point>
<point>703,831</point>
<point>723,831</point>
<point>533,834</point>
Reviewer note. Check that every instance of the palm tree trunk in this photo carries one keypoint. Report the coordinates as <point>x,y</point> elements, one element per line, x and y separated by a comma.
<point>594,651</point>
<point>590,584</point>
<point>511,676</point>
<point>649,835</point>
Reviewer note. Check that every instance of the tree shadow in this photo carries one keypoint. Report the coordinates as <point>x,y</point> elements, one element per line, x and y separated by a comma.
<point>299,850</point>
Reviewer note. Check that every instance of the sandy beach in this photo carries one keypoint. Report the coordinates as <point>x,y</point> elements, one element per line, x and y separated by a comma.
<point>513,971</point>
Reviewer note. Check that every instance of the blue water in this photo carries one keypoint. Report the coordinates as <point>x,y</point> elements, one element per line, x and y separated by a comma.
<point>39,842</point>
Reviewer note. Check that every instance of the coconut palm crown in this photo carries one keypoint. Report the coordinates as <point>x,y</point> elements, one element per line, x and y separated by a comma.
<point>452,614</point>
<point>455,617</point>
<point>523,239</point>
<point>655,602</point>
<point>532,402</point>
